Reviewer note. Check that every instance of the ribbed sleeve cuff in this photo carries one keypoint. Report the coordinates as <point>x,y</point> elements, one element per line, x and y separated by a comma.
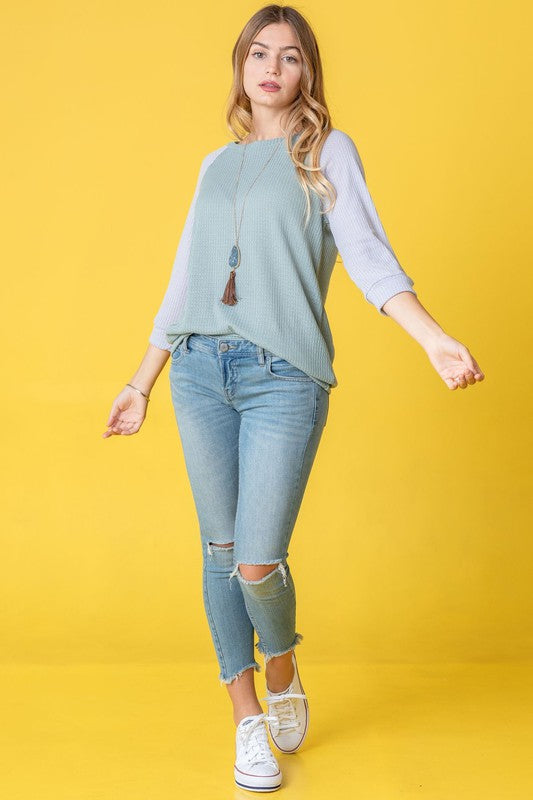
<point>387,287</point>
<point>158,339</point>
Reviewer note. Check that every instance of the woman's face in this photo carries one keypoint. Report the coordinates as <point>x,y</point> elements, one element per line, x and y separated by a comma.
<point>273,56</point>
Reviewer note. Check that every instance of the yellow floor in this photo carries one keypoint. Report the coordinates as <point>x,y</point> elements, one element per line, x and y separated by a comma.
<point>377,732</point>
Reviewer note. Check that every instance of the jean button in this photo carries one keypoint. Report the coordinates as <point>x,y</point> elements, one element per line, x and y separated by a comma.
<point>224,346</point>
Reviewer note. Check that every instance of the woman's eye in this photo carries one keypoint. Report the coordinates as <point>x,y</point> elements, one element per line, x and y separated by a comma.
<point>259,53</point>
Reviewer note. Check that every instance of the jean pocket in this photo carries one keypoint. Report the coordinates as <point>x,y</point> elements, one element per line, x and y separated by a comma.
<point>280,368</point>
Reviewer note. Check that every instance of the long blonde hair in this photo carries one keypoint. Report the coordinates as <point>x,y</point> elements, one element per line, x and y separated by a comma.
<point>308,114</point>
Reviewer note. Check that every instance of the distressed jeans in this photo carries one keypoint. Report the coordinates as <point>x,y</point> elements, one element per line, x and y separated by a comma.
<point>250,424</point>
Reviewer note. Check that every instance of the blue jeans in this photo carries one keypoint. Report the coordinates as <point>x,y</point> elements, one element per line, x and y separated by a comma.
<point>250,424</point>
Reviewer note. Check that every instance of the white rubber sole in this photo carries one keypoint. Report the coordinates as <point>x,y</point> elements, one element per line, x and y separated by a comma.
<point>257,783</point>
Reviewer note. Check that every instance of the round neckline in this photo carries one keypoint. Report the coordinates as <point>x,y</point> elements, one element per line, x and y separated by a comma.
<point>257,141</point>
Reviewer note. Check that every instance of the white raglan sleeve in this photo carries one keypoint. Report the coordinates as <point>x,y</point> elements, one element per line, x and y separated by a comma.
<point>174,297</point>
<point>357,230</point>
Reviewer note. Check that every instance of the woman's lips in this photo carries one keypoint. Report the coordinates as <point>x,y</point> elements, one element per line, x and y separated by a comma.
<point>268,87</point>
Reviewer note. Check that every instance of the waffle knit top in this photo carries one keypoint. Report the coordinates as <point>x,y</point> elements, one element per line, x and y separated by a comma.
<point>282,280</point>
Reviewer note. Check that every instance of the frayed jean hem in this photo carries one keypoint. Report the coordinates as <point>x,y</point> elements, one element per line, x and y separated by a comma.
<point>253,664</point>
<point>297,639</point>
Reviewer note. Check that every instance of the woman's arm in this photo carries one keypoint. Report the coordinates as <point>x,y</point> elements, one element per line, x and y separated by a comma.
<point>452,360</point>
<point>372,264</point>
<point>129,407</point>
<point>149,369</point>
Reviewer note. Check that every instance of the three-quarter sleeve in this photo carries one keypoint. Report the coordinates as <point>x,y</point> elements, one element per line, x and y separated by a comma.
<point>174,297</point>
<point>355,225</point>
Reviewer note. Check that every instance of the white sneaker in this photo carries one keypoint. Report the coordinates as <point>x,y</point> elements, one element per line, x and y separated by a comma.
<point>255,767</point>
<point>290,712</point>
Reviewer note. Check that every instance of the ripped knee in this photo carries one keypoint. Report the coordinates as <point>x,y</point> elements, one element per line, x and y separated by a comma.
<point>254,572</point>
<point>213,545</point>
<point>259,575</point>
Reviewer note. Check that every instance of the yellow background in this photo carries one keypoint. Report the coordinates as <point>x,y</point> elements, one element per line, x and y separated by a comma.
<point>413,544</point>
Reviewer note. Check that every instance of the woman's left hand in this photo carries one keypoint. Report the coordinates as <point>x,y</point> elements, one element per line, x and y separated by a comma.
<point>454,362</point>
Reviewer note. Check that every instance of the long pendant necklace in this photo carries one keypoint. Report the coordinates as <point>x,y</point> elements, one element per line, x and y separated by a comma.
<point>229,297</point>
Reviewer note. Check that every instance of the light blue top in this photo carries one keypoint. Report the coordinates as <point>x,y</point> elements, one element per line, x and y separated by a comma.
<point>282,281</point>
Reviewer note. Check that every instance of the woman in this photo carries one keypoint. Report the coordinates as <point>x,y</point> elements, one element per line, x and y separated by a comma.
<point>251,357</point>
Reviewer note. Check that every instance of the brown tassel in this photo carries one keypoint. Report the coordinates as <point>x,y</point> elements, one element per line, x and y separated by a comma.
<point>229,297</point>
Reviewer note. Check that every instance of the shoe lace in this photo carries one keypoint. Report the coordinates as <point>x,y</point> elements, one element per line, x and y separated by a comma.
<point>255,741</point>
<point>283,709</point>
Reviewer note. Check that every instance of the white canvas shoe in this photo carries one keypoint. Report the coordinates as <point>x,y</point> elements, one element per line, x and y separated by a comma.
<point>256,768</point>
<point>290,712</point>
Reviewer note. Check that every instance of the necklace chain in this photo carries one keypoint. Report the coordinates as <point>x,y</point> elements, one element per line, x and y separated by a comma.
<point>237,230</point>
<point>229,297</point>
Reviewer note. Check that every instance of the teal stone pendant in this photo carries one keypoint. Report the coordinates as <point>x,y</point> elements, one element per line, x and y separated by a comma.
<point>229,297</point>
<point>234,256</point>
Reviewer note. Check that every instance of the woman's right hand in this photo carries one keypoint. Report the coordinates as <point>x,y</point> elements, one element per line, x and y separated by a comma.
<point>127,413</point>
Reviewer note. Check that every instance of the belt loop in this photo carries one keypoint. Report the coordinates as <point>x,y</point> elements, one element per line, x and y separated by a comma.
<point>185,343</point>
<point>260,355</point>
